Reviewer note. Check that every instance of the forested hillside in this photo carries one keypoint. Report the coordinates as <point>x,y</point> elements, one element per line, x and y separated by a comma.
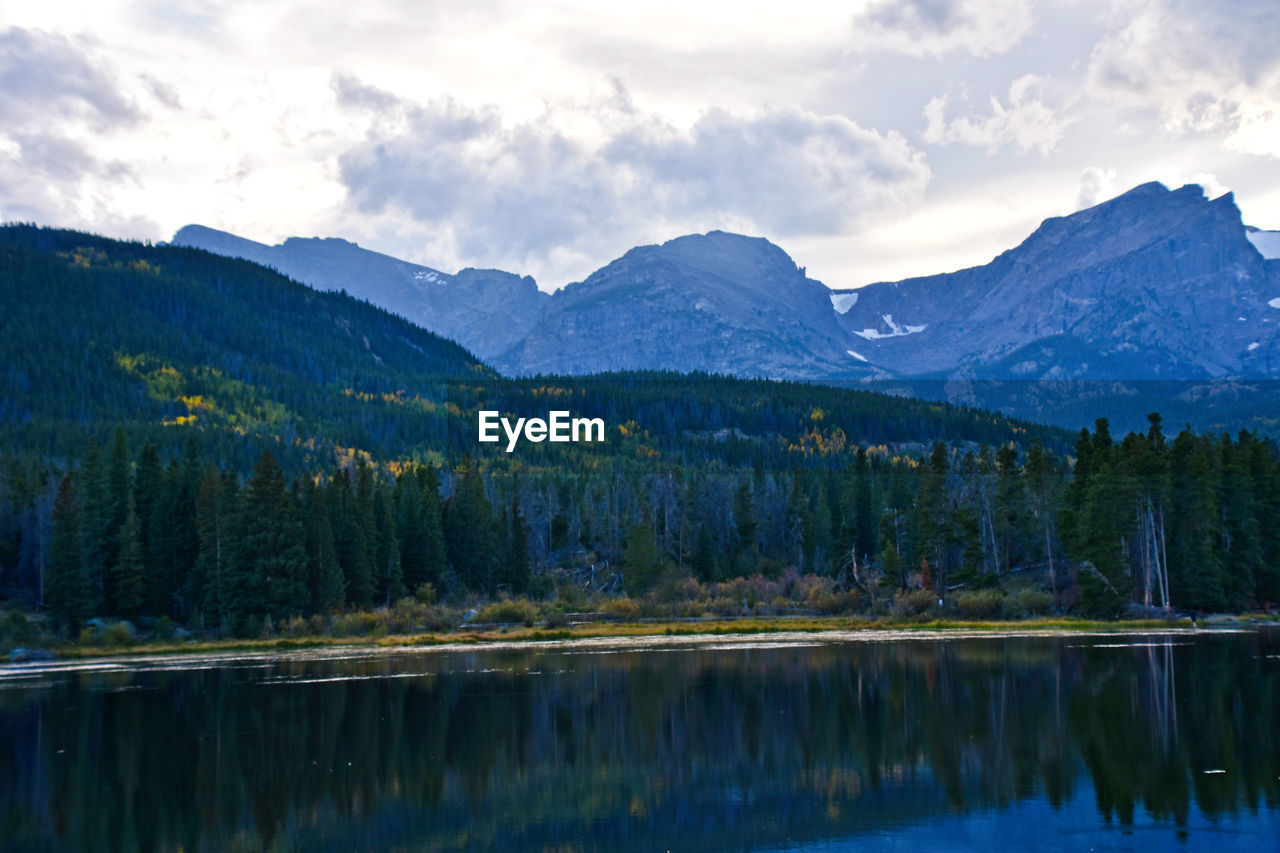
<point>98,331</point>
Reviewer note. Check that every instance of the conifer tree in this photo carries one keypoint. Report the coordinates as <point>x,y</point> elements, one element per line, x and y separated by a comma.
<point>641,562</point>
<point>864,522</point>
<point>361,574</point>
<point>327,585</point>
<point>67,586</point>
<point>215,573</point>
<point>96,518</point>
<point>127,574</point>
<point>274,560</point>
<point>390,583</point>
<point>149,495</point>
<point>435,557</point>
<point>516,569</point>
<point>703,562</point>
<point>469,530</point>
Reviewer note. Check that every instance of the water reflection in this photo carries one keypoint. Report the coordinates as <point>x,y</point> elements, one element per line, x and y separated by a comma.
<point>725,748</point>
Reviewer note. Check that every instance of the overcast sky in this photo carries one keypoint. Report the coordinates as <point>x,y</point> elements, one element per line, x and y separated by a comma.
<point>870,139</point>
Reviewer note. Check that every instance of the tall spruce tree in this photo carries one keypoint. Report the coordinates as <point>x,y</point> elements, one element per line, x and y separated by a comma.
<point>274,561</point>
<point>390,581</point>
<point>327,585</point>
<point>67,593</point>
<point>127,576</point>
<point>469,530</point>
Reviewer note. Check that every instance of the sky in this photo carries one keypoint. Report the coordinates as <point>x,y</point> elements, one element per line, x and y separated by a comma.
<point>871,140</point>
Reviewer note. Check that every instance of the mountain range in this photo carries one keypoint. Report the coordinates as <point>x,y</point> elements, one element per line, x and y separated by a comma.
<point>1153,284</point>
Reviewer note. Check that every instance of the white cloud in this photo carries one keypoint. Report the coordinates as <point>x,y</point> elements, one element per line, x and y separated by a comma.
<point>938,27</point>
<point>1196,67</point>
<point>1025,123</point>
<point>57,98</point>
<point>524,194</point>
<point>1096,184</point>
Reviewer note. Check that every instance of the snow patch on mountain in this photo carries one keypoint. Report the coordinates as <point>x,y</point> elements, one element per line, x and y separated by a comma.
<point>896,330</point>
<point>1274,303</point>
<point>856,355</point>
<point>842,302</point>
<point>1253,346</point>
<point>1266,242</point>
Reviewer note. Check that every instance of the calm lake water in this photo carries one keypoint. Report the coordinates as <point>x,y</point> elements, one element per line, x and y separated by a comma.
<point>1157,742</point>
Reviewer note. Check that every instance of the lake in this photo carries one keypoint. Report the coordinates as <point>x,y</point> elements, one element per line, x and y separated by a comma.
<point>1125,742</point>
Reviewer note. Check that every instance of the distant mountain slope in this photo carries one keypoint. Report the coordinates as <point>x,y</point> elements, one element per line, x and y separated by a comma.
<point>1154,284</point>
<point>96,330</point>
<point>716,302</point>
<point>486,311</point>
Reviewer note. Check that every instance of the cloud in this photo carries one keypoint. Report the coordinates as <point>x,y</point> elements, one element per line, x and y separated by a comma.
<point>580,175</point>
<point>1096,184</point>
<point>1196,67</point>
<point>54,98</point>
<point>47,78</point>
<point>1026,122</point>
<point>938,27</point>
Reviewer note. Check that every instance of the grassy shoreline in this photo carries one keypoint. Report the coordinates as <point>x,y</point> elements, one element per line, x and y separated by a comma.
<point>708,628</point>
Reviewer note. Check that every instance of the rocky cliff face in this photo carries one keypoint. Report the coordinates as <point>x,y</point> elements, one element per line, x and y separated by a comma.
<point>487,311</point>
<point>715,302</point>
<point>1152,284</point>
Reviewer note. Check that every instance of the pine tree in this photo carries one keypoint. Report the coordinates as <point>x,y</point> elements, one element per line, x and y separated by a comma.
<point>743,557</point>
<point>127,574</point>
<point>149,495</point>
<point>274,561</point>
<point>435,557</point>
<point>703,563</point>
<point>390,583</point>
<point>469,531</point>
<point>67,591</point>
<point>864,522</point>
<point>361,574</point>
<point>516,568</point>
<point>215,575</point>
<point>641,563</point>
<point>327,585</point>
<point>1195,573</point>
<point>937,519</point>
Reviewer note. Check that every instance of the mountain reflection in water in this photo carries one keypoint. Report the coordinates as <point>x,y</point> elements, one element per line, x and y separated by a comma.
<point>966,743</point>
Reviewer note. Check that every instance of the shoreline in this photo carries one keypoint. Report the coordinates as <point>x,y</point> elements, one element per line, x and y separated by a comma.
<point>619,636</point>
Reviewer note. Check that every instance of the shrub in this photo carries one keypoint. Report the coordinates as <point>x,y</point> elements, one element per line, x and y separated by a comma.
<point>513,610</point>
<point>164,628</point>
<point>980,604</point>
<point>725,606</point>
<point>354,624</point>
<point>907,604</point>
<point>625,608</point>
<point>118,634</point>
<point>1028,602</point>
<point>16,629</point>
<point>832,603</point>
<point>690,609</point>
<point>673,588</point>
<point>425,593</point>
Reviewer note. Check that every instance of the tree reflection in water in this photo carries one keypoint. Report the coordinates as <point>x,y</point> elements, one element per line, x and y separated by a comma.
<point>675,749</point>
